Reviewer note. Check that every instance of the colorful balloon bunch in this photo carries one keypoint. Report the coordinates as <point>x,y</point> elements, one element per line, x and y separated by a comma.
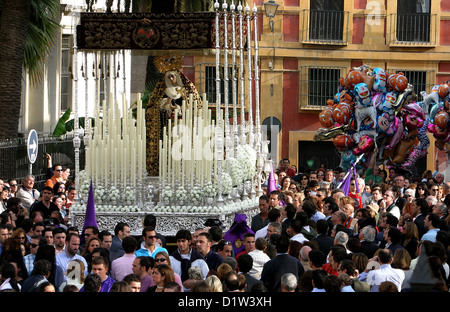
<point>375,109</point>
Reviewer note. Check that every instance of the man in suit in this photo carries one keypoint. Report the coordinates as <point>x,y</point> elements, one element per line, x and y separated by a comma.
<point>387,220</point>
<point>329,207</point>
<point>441,210</point>
<point>323,240</point>
<point>121,231</point>
<point>282,263</point>
<point>421,207</point>
<point>367,237</point>
<point>392,236</point>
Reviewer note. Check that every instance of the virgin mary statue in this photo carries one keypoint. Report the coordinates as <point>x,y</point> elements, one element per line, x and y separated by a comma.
<point>168,95</point>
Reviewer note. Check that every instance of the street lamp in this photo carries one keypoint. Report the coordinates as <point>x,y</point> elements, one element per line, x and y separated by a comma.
<point>271,8</point>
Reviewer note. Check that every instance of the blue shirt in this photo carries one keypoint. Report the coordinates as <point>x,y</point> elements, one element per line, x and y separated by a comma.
<point>63,260</point>
<point>146,253</point>
<point>430,235</point>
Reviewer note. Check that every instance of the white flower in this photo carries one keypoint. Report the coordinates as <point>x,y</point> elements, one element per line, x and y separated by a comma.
<point>226,183</point>
<point>246,155</point>
<point>99,192</point>
<point>114,194</point>
<point>129,194</point>
<point>209,190</point>
<point>236,172</point>
<point>196,194</point>
<point>181,194</point>
<point>167,192</point>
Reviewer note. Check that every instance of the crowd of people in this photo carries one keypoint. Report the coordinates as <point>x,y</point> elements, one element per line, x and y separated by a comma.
<point>309,236</point>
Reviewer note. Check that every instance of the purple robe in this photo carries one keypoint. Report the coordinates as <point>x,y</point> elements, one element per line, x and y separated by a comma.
<point>236,232</point>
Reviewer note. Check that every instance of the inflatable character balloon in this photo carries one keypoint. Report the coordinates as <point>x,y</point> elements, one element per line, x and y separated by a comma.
<point>326,115</point>
<point>379,83</point>
<point>413,118</point>
<point>440,129</point>
<point>364,107</point>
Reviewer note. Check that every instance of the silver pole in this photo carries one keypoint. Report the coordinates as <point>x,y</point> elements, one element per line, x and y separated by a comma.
<point>86,106</point>
<point>257,104</point>
<point>225,89</point>
<point>76,138</point>
<point>249,77</point>
<point>241,72</point>
<point>219,143</point>
<point>234,86</point>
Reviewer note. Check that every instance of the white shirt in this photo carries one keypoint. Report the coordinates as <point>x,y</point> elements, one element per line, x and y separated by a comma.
<point>299,238</point>
<point>261,232</point>
<point>385,273</point>
<point>259,259</point>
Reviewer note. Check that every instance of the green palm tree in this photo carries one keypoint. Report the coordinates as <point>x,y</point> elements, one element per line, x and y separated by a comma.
<point>28,29</point>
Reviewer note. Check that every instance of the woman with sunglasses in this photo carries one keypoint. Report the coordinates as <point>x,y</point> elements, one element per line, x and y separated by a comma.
<point>303,181</point>
<point>422,190</point>
<point>163,258</point>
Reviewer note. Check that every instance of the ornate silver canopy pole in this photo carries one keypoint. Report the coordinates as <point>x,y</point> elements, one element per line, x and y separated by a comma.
<point>257,103</point>
<point>234,79</point>
<point>249,77</point>
<point>225,85</point>
<point>86,106</point>
<point>219,142</point>
<point>106,71</point>
<point>76,137</point>
<point>241,73</point>
<point>124,74</point>
<point>115,74</point>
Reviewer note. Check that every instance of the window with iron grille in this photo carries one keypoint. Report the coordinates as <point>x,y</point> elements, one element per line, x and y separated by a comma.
<point>413,21</point>
<point>318,84</point>
<point>421,80</point>
<point>66,75</point>
<point>208,83</point>
<point>325,21</point>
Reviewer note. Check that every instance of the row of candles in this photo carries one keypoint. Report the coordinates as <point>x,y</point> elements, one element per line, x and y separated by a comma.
<point>188,150</point>
<point>116,148</point>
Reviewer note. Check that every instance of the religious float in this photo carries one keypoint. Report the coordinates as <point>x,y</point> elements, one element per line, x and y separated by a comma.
<point>176,157</point>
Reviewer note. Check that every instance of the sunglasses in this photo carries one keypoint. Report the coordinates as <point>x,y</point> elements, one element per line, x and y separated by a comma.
<point>34,245</point>
<point>161,260</point>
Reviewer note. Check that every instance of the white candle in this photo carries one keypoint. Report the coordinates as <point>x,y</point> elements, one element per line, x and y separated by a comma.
<point>97,165</point>
<point>116,165</point>
<point>133,167</point>
<point>106,165</point>
<point>124,167</point>
<point>160,161</point>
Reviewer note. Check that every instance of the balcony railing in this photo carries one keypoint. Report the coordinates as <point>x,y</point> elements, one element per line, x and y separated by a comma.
<point>325,27</point>
<point>412,29</point>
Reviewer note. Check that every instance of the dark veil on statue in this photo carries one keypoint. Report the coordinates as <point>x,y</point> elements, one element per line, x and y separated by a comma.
<point>168,95</point>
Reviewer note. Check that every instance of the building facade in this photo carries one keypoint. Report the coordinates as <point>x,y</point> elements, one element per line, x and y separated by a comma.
<point>311,44</point>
